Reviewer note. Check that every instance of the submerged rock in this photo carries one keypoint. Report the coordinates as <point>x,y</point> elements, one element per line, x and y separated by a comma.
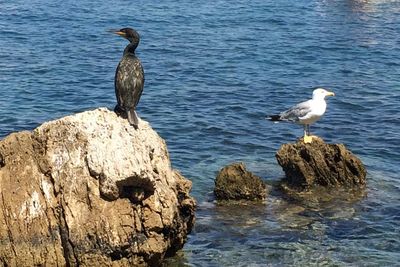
<point>318,164</point>
<point>234,182</point>
<point>90,190</point>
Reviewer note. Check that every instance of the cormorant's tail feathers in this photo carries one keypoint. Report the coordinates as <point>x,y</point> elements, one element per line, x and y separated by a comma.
<point>132,118</point>
<point>274,117</point>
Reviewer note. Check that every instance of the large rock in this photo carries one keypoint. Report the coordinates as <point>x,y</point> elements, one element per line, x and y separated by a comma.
<point>90,190</point>
<point>320,165</point>
<point>235,182</point>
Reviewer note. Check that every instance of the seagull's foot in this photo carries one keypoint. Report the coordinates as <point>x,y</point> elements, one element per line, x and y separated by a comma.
<point>308,139</point>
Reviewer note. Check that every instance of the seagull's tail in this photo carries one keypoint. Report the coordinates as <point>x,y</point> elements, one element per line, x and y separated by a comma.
<point>274,117</point>
<point>133,118</point>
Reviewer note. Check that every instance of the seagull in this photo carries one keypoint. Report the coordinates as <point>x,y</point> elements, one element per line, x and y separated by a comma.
<point>306,112</point>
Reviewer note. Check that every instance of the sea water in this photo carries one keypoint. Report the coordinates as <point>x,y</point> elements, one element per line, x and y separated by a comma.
<point>214,70</point>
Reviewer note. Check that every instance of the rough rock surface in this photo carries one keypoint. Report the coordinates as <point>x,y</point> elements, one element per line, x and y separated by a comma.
<point>89,190</point>
<point>234,182</point>
<point>319,164</point>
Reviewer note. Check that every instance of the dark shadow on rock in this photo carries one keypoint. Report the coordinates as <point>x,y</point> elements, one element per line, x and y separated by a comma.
<point>1,161</point>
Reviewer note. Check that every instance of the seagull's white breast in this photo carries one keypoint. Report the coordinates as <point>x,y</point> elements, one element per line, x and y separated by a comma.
<point>318,107</point>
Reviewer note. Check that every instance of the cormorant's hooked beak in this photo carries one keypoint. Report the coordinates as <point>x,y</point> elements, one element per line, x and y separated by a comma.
<point>118,32</point>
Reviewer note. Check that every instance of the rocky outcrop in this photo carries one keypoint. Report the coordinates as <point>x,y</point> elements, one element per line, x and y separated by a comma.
<point>320,165</point>
<point>90,190</point>
<point>235,182</point>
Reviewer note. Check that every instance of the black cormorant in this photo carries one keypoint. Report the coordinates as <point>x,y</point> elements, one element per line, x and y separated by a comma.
<point>129,78</point>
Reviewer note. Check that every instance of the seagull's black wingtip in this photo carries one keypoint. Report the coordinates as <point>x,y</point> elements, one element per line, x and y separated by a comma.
<point>274,118</point>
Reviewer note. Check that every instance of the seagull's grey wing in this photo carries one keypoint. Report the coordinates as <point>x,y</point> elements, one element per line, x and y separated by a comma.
<point>294,113</point>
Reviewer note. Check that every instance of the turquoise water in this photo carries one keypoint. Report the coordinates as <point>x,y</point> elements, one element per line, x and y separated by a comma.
<point>213,71</point>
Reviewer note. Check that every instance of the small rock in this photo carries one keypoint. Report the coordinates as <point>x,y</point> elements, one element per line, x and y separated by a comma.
<point>320,164</point>
<point>234,182</point>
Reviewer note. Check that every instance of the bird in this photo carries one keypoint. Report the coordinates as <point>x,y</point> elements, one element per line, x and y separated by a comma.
<point>129,78</point>
<point>306,112</point>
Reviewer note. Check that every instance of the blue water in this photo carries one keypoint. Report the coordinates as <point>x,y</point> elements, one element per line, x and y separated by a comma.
<point>213,70</point>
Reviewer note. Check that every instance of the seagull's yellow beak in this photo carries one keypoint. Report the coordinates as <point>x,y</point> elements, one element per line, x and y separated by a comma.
<point>330,93</point>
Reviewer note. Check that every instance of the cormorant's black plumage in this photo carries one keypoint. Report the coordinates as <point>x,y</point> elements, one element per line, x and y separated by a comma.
<point>129,78</point>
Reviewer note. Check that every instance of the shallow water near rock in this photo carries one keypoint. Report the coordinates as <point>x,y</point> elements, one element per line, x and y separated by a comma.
<point>213,71</point>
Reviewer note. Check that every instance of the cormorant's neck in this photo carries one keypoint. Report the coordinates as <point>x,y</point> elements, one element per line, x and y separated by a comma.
<point>130,48</point>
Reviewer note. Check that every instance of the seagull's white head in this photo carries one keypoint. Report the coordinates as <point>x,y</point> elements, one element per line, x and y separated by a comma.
<point>321,93</point>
